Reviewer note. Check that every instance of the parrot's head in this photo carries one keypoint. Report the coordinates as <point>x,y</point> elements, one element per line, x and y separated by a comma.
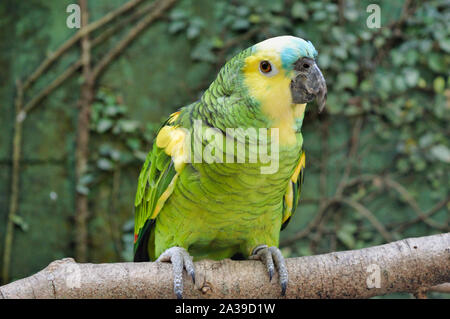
<point>283,71</point>
<point>275,78</point>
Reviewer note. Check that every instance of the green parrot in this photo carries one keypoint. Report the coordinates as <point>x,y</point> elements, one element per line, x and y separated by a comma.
<point>205,190</point>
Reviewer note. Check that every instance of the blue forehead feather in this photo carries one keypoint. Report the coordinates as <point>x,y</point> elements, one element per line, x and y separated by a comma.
<point>297,48</point>
<point>289,48</point>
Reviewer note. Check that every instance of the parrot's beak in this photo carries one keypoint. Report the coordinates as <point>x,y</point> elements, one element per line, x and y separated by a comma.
<point>308,83</point>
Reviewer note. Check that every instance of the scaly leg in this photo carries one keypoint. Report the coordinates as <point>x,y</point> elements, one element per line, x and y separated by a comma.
<point>272,257</point>
<point>180,259</point>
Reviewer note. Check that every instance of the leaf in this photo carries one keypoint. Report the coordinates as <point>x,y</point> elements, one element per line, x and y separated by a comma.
<point>345,235</point>
<point>445,44</point>
<point>347,80</point>
<point>129,126</point>
<point>19,221</point>
<point>128,226</point>
<point>82,189</point>
<point>105,164</point>
<point>426,140</point>
<point>441,152</point>
<point>240,24</point>
<point>104,125</point>
<point>134,143</point>
<point>242,11</point>
<point>319,16</point>
<point>346,238</point>
<point>436,62</point>
<point>115,154</point>
<point>299,10</point>
<point>305,251</point>
<point>177,14</point>
<point>254,18</point>
<point>193,31</point>
<point>86,179</point>
<point>176,26</point>
<point>411,77</point>
<point>111,110</point>
<point>439,84</point>
<point>202,52</point>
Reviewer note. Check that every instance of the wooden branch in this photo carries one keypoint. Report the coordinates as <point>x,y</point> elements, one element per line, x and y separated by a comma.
<point>14,197</point>
<point>83,130</point>
<point>425,217</point>
<point>354,142</point>
<point>52,86</point>
<point>157,12</point>
<point>362,210</point>
<point>123,23</point>
<point>74,39</point>
<point>437,207</point>
<point>369,215</point>
<point>407,197</point>
<point>409,265</point>
<point>443,288</point>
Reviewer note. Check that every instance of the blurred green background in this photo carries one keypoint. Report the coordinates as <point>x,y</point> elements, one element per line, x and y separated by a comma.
<point>377,166</point>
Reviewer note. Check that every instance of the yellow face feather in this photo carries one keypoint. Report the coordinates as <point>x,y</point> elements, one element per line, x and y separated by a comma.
<point>273,93</point>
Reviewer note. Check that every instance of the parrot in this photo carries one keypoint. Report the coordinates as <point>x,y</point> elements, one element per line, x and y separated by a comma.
<point>189,208</point>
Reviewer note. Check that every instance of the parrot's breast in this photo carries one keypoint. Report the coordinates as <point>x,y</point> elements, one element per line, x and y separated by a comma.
<point>219,209</point>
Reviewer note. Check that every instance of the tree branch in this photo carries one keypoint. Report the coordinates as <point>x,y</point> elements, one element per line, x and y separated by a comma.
<point>82,139</point>
<point>14,199</point>
<point>409,265</point>
<point>75,38</point>
<point>159,9</point>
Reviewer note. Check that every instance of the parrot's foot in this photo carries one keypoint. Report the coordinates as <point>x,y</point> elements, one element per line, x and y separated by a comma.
<point>180,259</point>
<point>272,257</point>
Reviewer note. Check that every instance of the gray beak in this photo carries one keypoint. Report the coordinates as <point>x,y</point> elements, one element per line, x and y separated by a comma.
<point>308,83</point>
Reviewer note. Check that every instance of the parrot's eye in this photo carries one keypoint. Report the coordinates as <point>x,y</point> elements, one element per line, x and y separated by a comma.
<point>266,68</point>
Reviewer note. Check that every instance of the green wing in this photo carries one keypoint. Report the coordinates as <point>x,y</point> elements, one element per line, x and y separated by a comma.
<point>295,185</point>
<point>154,180</point>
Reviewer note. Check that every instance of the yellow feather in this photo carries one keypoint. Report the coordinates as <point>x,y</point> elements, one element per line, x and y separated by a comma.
<point>164,136</point>
<point>164,197</point>
<point>173,117</point>
<point>299,109</point>
<point>289,195</point>
<point>173,140</point>
<point>300,165</point>
<point>289,199</point>
<point>274,94</point>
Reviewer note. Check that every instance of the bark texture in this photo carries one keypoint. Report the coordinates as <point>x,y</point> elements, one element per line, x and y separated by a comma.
<point>408,265</point>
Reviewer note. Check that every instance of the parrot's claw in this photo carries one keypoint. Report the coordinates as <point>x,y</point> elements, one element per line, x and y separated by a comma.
<point>180,259</point>
<point>272,257</point>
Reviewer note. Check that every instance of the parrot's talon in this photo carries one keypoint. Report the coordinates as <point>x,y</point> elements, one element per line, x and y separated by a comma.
<point>272,257</point>
<point>283,288</point>
<point>180,259</point>
<point>270,274</point>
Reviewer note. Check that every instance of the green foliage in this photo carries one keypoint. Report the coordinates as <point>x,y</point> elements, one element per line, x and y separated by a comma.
<point>118,142</point>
